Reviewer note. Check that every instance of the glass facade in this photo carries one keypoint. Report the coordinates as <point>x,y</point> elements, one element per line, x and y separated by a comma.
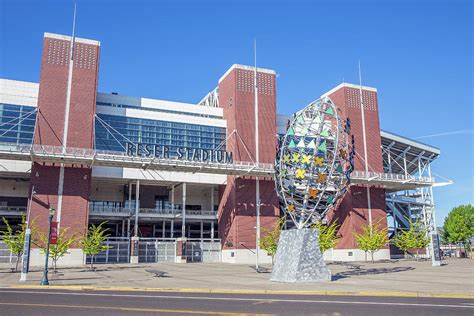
<point>17,123</point>
<point>118,105</point>
<point>112,132</point>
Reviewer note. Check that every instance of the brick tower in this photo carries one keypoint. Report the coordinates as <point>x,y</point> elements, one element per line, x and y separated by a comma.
<point>353,211</point>
<point>66,102</point>
<point>237,207</point>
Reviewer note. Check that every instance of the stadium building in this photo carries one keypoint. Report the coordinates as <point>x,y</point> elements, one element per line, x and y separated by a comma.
<point>176,181</point>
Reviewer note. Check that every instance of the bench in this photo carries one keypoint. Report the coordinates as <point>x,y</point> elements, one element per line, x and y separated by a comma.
<point>158,273</point>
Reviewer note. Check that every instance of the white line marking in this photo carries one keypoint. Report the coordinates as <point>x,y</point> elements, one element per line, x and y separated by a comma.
<point>241,299</point>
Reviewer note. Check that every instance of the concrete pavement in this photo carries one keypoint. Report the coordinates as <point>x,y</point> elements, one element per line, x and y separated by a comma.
<point>402,278</point>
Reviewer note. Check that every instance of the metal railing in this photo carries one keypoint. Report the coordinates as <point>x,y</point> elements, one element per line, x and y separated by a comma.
<point>203,250</point>
<point>392,177</point>
<point>121,159</point>
<point>157,250</point>
<point>122,211</point>
<point>9,210</point>
<point>118,251</point>
<point>6,255</point>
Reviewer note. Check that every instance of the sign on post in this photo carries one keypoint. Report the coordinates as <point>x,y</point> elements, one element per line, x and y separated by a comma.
<point>53,237</point>
<point>436,253</point>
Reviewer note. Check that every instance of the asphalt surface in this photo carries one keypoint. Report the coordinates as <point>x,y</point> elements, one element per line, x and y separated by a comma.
<point>65,302</point>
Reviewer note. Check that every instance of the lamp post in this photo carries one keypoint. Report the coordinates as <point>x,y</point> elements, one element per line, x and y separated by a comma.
<point>44,280</point>
<point>25,263</point>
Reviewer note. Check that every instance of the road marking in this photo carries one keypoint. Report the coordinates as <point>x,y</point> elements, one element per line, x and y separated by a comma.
<point>262,302</point>
<point>237,291</point>
<point>135,309</point>
<point>242,299</point>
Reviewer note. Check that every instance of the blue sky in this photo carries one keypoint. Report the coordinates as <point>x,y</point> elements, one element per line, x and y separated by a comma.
<point>419,54</point>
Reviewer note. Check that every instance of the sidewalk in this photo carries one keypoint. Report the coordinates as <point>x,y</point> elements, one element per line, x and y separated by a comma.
<point>399,278</point>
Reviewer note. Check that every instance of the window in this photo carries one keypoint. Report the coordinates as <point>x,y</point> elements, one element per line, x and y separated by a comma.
<point>155,132</point>
<point>17,123</point>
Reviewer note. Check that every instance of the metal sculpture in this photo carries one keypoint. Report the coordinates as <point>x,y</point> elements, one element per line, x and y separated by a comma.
<point>314,162</point>
<point>313,167</point>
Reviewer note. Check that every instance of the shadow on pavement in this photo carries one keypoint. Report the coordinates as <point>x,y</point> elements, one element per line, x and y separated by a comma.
<point>372,271</point>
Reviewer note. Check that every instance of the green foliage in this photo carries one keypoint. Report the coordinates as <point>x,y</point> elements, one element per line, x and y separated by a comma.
<point>93,243</point>
<point>327,235</point>
<point>15,239</point>
<point>459,225</point>
<point>58,250</point>
<point>372,238</point>
<point>416,237</point>
<point>269,241</point>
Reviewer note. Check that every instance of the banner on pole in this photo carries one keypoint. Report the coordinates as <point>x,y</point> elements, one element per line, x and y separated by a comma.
<point>53,237</point>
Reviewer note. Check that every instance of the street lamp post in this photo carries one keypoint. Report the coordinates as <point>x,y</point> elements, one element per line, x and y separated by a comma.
<point>44,280</point>
<point>25,262</point>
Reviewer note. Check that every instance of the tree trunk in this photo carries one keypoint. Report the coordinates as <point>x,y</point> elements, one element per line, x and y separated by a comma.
<point>372,255</point>
<point>54,264</point>
<point>18,256</point>
<point>417,254</point>
<point>365,254</point>
<point>92,262</point>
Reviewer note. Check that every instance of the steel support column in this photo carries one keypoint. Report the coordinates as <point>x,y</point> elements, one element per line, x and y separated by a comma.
<point>183,213</point>
<point>172,229</point>
<point>137,207</point>
<point>201,229</point>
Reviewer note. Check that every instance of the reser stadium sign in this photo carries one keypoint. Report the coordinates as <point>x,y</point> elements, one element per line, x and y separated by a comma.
<point>182,153</point>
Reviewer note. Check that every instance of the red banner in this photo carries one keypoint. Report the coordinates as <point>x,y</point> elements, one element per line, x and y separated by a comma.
<point>53,237</point>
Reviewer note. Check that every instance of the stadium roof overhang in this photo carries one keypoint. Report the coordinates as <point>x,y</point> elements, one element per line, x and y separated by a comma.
<point>401,151</point>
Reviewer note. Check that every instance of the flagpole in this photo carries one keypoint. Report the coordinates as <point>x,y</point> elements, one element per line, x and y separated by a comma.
<point>369,206</point>
<point>66,119</point>
<point>257,182</point>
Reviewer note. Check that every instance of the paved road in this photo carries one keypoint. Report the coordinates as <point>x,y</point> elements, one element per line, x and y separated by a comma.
<point>63,302</point>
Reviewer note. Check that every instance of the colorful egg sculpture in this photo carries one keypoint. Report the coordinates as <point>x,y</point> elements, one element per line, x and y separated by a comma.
<point>314,162</point>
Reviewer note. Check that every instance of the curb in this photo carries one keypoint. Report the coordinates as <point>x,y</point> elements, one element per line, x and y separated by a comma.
<point>243,291</point>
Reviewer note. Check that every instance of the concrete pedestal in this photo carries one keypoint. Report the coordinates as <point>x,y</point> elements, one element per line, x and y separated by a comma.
<point>298,258</point>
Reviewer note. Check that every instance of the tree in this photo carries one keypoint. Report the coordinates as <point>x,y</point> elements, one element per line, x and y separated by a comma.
<point>93,242</point>
<point>372,239</point>
<point>416,237</point>
<point>15,239</point>
<point>327,235</point>
<point>459,226</point>
<point>56,251</point>
<point>269,242</point>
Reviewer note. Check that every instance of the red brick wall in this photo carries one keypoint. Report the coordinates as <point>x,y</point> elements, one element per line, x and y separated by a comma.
<point>83,96</point>
<point>352,212</point>
<point>76,192</point>
<point>237,197</point>
<point>44,179</point>
<point>52,92</point>
<point>50,128</point>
